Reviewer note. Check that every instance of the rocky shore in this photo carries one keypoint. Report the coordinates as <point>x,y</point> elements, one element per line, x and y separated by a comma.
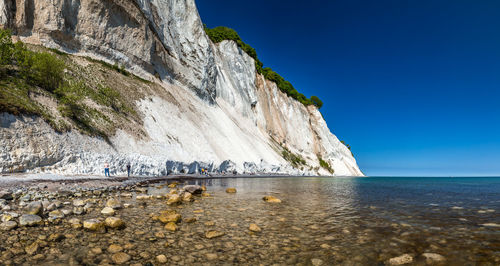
<point>114,221</point>
<point>98,221</point>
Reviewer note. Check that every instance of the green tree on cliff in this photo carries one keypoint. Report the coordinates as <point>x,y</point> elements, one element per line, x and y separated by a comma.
<point>316,101</point>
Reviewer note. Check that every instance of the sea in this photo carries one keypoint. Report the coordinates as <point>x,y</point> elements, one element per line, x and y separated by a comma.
<point>371,220</point>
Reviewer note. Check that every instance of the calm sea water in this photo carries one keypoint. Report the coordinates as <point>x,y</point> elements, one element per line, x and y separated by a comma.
<point>321,221</point>
<point>370,220</point>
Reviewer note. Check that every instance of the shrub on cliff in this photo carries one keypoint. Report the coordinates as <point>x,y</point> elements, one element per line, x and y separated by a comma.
<point>47,71</point>
<point>324,164</point>
<point>316,101</point>
<point>5,47</point>
<point>219,34</point>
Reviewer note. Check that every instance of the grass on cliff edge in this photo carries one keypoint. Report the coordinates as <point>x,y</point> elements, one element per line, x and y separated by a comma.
<point>219,34</point>
<point>92,107</point>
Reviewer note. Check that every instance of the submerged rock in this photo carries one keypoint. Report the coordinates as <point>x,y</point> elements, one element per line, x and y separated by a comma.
<point>174,199</point>
<point>431,258</point>
<point>114,222</point>
<point>169,216</point>
<point>108,211</point>
<point>94,225</point>
<point>75,223</point>
<point>187,197</point>
<point>114,204</point>
<point>113,248</point>
<point>32,249</point>
<point>120,258</point>
<point>271,199</point>
<point>193,189</point>
<point>171,227</point>
<point>161,259</point>
<point>213,234</point>
<point>401,260</point>
<point>254,228</point>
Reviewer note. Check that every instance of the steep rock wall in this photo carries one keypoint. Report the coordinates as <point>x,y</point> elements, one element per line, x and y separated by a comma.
<point>221,114</point>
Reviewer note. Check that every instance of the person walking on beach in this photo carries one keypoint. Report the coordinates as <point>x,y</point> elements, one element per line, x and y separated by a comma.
<point>106,169</point>
<point>128,169</point>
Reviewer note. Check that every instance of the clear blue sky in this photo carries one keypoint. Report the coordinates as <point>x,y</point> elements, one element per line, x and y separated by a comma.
<point>413,86</point>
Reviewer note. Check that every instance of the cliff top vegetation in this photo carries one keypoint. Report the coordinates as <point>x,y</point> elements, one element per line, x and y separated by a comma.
<point>219,34</point>
<point>90,96</point>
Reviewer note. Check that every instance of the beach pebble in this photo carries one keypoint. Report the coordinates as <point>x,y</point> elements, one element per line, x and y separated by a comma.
<point>431,258</point>
<point>161,259</point>
<point>108,211</point>
<point>114,204</point>
<point>120,258</point>
<point>35,208</point>
<point>78,203</point>
<point>211,256</point>
<point>7,226</point>
<point>113,248</point>
<point>316,262</point>
<point>75,223</point>
<point>400,260</point>
<point>32,249</point>
<point>30,220</point>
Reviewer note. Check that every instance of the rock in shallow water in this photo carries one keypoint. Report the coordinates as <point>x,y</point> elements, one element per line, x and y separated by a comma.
<point>271,199</point>
<point>174,199</point>
<point>114,203</point>
<point>401,260</point>
<point>114,223</point>
<point>161,259</point>
<point>193,189</point>
<point>169,216</point>
<point>75,223</point>
<point>254,228</point>
<point>108,211</point>
<point>213,234</point>
<point>431,258</point>
<point>30,220</point>
<point>120,258</point>
<point>171,227</point>
<point>94,225</point>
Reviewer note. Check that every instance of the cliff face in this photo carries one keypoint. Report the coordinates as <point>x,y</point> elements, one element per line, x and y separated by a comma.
<point>211,109</point>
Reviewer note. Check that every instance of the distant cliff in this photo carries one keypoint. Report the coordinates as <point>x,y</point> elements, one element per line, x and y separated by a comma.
<point>203,104</point>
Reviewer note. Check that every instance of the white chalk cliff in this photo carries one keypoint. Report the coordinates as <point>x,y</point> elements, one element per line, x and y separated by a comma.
<point>221,115</point>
